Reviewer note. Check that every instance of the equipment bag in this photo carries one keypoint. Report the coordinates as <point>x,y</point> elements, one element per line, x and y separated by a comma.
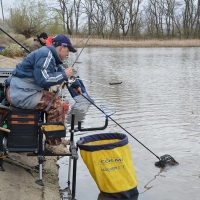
<point>108,158</point>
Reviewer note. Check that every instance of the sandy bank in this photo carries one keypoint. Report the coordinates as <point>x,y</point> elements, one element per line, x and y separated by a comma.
<point>6,62</point>
<point>18,180</point>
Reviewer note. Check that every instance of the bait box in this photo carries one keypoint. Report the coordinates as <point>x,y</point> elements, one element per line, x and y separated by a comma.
<point>53,133</point>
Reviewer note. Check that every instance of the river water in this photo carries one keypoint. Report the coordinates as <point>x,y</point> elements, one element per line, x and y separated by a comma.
<point>158,102</point>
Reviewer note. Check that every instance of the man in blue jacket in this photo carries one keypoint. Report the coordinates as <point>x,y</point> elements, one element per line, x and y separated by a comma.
<point>42,69</point>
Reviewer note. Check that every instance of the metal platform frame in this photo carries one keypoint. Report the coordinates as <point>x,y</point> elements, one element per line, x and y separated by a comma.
<point>41,153</point>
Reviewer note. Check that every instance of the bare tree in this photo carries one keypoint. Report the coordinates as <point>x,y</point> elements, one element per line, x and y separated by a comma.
<point>89,9</point>
<point>177,19</point>
<point>113,16</point>
<point>66,10</point>
<point>77,7</point>
<point>133,15</point>
<point>2,10</point>
<point>197,20</point>
<point>189,18</point>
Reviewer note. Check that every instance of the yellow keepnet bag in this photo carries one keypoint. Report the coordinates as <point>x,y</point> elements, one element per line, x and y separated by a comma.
<point>108,158</point>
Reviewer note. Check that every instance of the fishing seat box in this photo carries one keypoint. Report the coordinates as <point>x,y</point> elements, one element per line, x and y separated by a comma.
<point>23,126</point>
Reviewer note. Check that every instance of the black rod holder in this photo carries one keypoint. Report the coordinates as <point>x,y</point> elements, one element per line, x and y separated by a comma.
<point>92,129</point>
<point>74,178</point>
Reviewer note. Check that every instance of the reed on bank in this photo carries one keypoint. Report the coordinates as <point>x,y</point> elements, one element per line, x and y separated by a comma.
<point>136,43</point>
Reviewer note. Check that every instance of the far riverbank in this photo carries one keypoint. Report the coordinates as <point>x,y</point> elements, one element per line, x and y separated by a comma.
<point>96,42</point>
<point>80,42</point>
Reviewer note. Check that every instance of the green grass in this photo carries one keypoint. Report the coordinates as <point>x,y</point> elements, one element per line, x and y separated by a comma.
<point>13,52</point>
<point>12,49</point>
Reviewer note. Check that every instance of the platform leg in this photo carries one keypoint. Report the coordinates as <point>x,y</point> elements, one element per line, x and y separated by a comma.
<point>40,182</point>
<point>74,178</point>
<point>40,158</point>
<point>1,148</point>
<point>69,171</point>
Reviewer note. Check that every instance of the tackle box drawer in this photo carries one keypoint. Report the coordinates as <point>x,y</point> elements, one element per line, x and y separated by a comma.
<point>24,116</point>
<point>22,122</point>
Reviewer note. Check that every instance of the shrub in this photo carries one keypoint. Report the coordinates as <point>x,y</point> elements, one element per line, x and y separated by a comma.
<point>12,52</point>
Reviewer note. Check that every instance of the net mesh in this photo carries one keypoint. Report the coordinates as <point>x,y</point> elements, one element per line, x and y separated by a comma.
<point>166,160</point>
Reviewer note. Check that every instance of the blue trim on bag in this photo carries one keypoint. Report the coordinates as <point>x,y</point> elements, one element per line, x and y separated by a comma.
<point>132,193</point>
<point>82,143</point>
<point>83,89</point>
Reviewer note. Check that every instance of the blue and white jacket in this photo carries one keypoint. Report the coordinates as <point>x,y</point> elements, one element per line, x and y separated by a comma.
<point>40,69</point>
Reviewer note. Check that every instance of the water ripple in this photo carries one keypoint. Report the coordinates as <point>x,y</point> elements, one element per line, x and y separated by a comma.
<point>158,102</point>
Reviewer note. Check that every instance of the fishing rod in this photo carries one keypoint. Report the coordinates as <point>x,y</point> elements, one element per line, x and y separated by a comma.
<point>16,41</point>
<point>84,46</point>
<point>71,79</point>
<point>162,160</point>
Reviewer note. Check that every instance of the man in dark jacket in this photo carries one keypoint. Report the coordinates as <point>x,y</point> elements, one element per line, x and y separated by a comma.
<point>42,69</point>
<point>39,42</point>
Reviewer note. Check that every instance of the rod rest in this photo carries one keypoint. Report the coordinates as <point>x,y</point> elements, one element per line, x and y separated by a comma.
<point>92,129</point>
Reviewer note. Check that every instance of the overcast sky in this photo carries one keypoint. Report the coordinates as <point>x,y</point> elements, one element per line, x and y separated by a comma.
<point>6,4</point>
<point>10,3</point>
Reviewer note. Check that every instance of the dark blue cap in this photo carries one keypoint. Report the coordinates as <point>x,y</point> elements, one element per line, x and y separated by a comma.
<point>63,40</point>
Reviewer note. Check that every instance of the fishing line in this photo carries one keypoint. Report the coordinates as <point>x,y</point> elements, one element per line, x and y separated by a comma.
<point>162,160</point>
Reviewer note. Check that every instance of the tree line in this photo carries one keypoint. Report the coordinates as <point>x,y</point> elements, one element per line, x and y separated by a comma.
<point>110,19</point>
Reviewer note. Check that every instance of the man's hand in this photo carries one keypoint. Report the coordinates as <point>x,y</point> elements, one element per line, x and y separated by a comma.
<point>69,72</point>
<point>77,90</point>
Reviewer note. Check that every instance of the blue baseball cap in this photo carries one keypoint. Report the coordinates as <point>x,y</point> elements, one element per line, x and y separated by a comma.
<point>63,40</point>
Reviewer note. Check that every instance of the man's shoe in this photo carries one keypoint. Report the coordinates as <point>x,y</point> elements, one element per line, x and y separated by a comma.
<point>57,149</point>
